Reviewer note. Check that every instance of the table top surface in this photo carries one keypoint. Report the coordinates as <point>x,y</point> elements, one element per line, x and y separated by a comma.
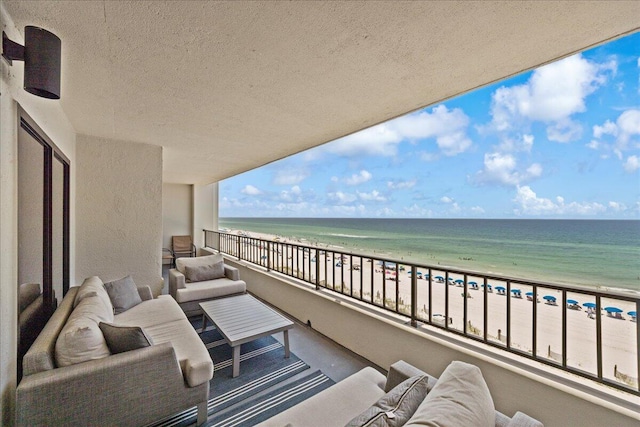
<point>243,318</point>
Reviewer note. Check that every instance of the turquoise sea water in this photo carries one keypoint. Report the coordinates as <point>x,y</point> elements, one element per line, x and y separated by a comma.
<point>583,252</point>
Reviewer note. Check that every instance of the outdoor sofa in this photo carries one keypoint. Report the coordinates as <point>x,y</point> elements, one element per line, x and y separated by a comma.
<point>199,279</point>
<point>407,396</point>
<point>91,367</point>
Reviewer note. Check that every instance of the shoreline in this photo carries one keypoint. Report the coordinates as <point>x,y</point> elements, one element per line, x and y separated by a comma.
<point>391,256</point>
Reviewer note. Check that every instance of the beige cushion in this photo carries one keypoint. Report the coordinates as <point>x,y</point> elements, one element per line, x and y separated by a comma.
<point>396,407</point>
<point>81,339</point>
<point>204,272</point>
<point>182,263</point>
<point>459,398</point>
<point>192,355</point>
<point>27,293</point>
<point>210,289</point>
<point>93,284</point>
<point>152,312</point>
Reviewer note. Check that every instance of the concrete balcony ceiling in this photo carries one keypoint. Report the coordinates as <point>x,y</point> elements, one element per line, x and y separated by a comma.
<point>226,87</point>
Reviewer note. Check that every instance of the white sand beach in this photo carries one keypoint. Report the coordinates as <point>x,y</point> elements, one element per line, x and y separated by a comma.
<point>619,335</point>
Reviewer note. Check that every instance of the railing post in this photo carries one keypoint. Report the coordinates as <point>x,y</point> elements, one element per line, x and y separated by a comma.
<point>268,256</point>
<point>318,269</point>
<point>238,248</point>
<point>414,296</point>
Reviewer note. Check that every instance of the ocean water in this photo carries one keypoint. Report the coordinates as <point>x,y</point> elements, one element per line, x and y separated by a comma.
<point>576,252</point>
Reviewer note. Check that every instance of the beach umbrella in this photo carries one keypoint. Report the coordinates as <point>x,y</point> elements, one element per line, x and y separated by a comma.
<point>459,281</point>
<point>515,291</point>
<point>473,283</point>
<point>439,278</point>
<point>632,313</point>
<point>549,298</point>
<point>529,294</point>
<point>572,302</point>
<point>488,286</point>
<point>589,304</point>
<point>500,288</point>
<point>612,310</point>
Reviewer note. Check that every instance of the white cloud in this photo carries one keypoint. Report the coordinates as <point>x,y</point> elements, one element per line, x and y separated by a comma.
<point>417,211</point>
<point>477,210</point>
<point>334,179</point>
<point>359,178</point>
<point>250,190</point>
<point>379,140</point>
<point>291,195</point>
<point>445,199</point>
<point>530,204</point>
<point>608,128</point>
<point>502,169</point>
<point>623,135</point>
<point>552,94</point>
<point>373,196</point>
<point>290,176</point>
<point>448,127</point>
<point>512,145</point>
<point>400,185</point>
<point>632,164</point>
<point>341,198</point>
<point>565,130</point>
<point>618,207</point>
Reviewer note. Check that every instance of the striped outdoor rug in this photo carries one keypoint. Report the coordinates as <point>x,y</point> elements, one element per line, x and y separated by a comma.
<point>262,365</point>
<point>264,407</point>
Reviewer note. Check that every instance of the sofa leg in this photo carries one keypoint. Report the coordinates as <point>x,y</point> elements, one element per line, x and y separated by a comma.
<point>202,413</point>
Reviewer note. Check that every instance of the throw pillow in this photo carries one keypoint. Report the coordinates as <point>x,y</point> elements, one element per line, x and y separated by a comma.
<point>460,397</point>
<point>183,262</point>
<point>123,294</point>
<point>395,407</point>
<point>204,272</point>
<point>124,338</point>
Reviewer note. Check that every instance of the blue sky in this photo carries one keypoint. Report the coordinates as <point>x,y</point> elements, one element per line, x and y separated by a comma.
<point>561,141</point>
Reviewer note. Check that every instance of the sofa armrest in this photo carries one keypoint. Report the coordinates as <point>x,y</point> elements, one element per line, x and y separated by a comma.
<point>145,293</point>
<point>176,281</point>
<point>231,273</point>
<point>521,419</point>
<point>129,388</point>
<point>401,371</point>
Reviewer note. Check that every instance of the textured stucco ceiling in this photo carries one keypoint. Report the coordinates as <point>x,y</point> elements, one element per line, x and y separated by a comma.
<point>226,87</point>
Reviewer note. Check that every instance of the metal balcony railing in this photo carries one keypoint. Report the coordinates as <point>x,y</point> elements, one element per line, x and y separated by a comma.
<point>582,330</point>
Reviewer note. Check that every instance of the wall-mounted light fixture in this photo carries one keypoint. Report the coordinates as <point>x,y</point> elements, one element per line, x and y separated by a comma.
<point>41,56</point>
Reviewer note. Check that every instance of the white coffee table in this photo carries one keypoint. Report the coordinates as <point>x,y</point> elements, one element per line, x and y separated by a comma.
<point>242,319</point>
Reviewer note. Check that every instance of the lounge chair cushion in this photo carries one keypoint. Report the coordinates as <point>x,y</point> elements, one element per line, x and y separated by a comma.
<point>209,290</point>
<point>396,407</point>
<point>124,338</point>
<point>204,272</point>
<point>81,339</point>
<point>182,263</point>
<point>123,294</point>
<point>460,397</point>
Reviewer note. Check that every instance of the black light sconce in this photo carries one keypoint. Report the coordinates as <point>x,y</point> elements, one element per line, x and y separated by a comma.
<point>41,56</point>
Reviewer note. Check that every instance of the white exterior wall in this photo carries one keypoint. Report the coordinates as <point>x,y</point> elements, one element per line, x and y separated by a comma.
<point>383,342</point>
<point>119,210</point>
<point>177,211</point>
<point>205,211</point>
<point>51,119</point>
